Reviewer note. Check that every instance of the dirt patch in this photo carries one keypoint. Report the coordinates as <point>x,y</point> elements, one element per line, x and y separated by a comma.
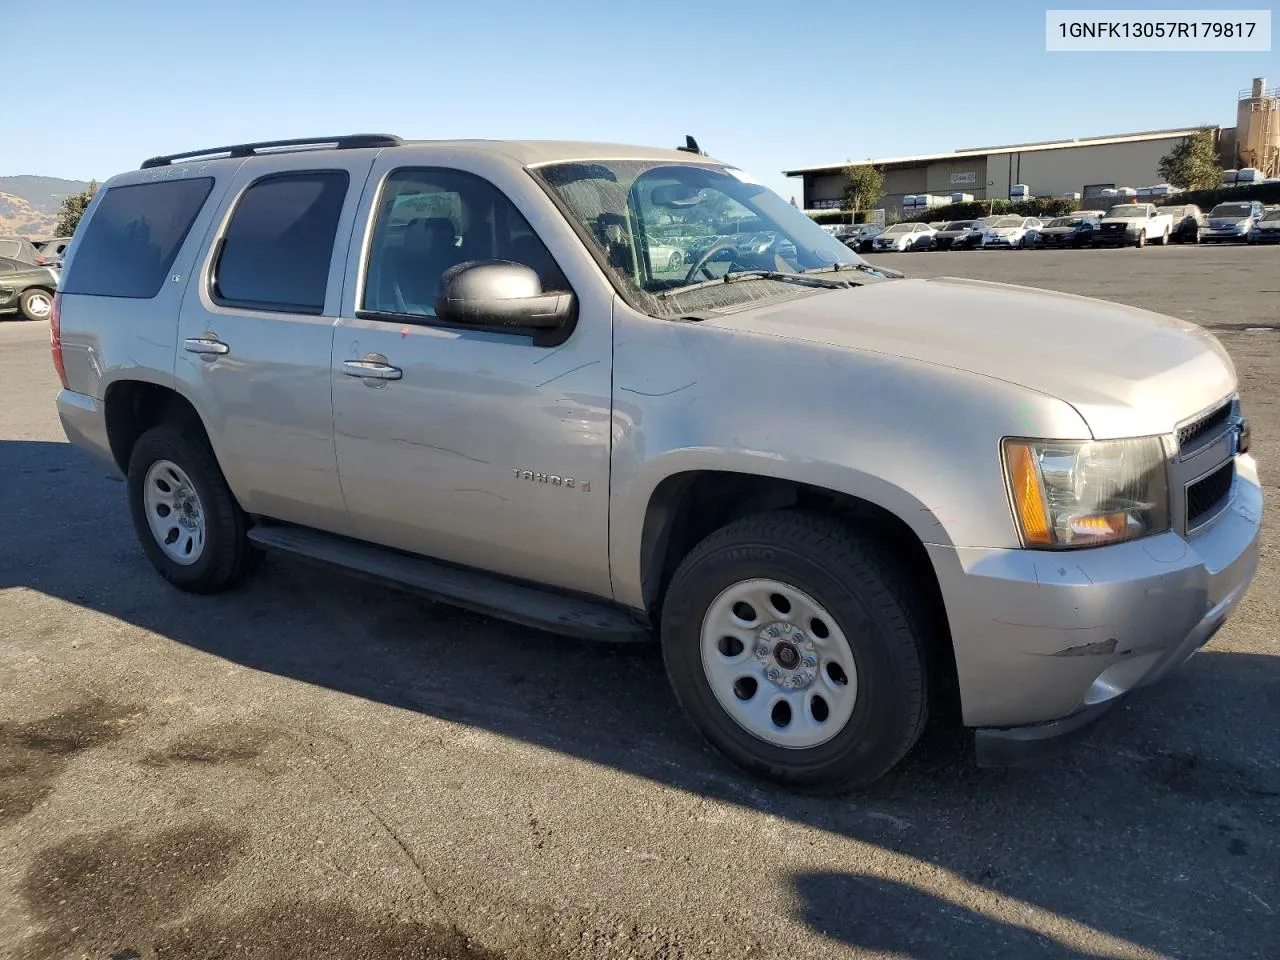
<point>123,895</point>
<point>33,754</point>
<point>216,745</point>
<point>317,931</point>
<point>101,894</point>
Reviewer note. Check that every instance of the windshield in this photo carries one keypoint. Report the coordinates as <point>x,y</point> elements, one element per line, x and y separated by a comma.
<point>1127,210</point>
<point>1271,217</point>
<point>959,225</point>
<point>1237,210</point>
<point>1066,221</point>
<point>717,218</point>
<point>1002,222</point>
<point>899,228</point>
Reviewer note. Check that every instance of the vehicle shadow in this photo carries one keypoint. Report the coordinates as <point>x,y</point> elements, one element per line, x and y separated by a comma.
<point>1161,829</point>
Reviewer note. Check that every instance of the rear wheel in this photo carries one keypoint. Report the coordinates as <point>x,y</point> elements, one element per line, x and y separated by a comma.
<point>793,645</point>
<point>1164,239</point>
<point>184,514</point>
<point>35,304</point>
<point>675,261</point>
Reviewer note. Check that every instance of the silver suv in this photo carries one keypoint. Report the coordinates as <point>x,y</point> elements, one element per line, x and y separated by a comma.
<point>833,493</point>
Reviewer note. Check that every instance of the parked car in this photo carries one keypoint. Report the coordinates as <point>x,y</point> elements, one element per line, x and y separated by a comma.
<point>1071,231</point>
<point>1011,232</point>
<point>818,488</point>
<point>1133,224</point>
<point>1267,229</point>
<point>977,233</point>
<point>903,236</point>
<point>664,254</point>
<point>860,241</point>
<point>18,248</point>
<point>51,251</point>
<point>1231,222</point>
<point>950,233</point>
<point>26,289</point>
<point>1188,222</point>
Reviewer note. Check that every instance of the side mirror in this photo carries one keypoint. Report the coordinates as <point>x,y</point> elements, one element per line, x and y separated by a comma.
<point>499,293</point>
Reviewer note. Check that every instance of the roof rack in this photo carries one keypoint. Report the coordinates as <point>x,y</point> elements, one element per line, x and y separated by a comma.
<point>351,141</point>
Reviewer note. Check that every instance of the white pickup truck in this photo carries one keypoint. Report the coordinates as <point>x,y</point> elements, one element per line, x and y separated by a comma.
<point>1134,224</point>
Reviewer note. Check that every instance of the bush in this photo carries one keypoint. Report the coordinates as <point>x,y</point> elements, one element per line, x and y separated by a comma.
<point>1046,207</point>
<point>1207,199</point>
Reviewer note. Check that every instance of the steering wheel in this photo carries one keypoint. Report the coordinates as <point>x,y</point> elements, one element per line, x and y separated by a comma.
<point>703,260</point>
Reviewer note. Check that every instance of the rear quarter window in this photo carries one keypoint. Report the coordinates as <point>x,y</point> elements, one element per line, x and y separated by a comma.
<point>131,240</point>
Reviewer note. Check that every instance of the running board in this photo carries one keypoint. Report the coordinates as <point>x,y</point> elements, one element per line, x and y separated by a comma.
<point>469,589</point>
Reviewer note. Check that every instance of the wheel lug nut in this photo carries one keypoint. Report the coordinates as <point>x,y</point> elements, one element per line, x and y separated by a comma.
<point>810,661</point>
<point>774,673</point>
<point>762,650</point>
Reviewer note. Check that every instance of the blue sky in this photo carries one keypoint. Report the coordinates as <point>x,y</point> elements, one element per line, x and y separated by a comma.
<point>763,85</point>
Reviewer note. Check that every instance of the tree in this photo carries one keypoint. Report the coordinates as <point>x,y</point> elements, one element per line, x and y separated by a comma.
<point>864,188</point>
<point>1193,162</point>
<point>72,209</point>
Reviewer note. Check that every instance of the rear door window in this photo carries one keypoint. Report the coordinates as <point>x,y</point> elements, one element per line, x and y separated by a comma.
<point>278,247</point>
<point>131,240</point>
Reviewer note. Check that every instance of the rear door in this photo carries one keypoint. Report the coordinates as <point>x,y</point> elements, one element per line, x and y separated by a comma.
<point>256,332</point>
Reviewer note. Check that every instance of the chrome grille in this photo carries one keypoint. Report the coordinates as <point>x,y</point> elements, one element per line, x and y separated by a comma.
<point>1205,427</point>
<point>1208,494</point>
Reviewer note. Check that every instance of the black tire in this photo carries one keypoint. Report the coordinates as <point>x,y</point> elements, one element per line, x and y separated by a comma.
<point>860,586</point>
<point>228,555</point>
<point>1142,240</point>
<point>29,300</point>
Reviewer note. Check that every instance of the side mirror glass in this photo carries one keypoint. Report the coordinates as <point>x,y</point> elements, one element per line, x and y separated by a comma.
<point>499,293</point>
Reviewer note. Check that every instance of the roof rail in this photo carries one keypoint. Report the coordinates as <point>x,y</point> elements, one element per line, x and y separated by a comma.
<point>351,141</point>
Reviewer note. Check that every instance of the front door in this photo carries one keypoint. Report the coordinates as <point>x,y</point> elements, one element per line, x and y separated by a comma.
<point>474,447</point>
<point>256,333</point>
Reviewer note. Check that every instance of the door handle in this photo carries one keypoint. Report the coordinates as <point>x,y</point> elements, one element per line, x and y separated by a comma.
<point>371,370</point>
<point>206,346</point>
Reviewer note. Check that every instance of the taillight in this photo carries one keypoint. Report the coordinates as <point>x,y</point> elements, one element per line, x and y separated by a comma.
<point>55,341</point>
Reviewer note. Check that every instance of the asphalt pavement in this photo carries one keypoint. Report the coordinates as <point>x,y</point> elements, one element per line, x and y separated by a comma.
<point>315,767</point>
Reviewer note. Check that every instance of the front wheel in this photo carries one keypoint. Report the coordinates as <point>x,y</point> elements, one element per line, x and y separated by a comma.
<point>184,514</point>
<point>675,261</point>
<point>792,643</point>
<point>35,304</point>
<point>1142,240</point>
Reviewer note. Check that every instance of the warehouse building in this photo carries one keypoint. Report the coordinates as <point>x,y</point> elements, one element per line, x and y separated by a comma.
<point>1084,166</point>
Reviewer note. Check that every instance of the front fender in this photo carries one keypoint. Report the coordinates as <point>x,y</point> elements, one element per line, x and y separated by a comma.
<point>919,440</point>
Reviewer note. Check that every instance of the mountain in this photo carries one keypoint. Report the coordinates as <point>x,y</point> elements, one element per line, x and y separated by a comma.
<point>29,205</point>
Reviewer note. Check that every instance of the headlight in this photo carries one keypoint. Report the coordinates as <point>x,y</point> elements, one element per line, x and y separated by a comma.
<point>1080,493</point>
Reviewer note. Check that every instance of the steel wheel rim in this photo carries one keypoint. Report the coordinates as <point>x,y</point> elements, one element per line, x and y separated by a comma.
<point>747,663</point>
<point>174,512</point>
<point>40,306</point>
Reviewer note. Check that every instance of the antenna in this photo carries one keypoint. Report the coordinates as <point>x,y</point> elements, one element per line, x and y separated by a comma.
<point>690,145</point>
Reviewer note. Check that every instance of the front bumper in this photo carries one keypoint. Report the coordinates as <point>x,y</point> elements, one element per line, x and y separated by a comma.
<point>1049,637</point>
<point>84,421</point>
<point>1265,236</point>
<point>1230,235</point>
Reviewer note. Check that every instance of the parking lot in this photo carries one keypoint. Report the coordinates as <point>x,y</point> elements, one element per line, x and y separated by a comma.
<point>315,767</point>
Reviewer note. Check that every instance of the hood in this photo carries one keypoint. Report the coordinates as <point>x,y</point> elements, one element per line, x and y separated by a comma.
<point>1227,221</point>
<point>1128,371</point>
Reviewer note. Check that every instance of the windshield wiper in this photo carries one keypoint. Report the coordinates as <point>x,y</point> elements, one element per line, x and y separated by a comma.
<point>736,275</point>
<point>860,267</point>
